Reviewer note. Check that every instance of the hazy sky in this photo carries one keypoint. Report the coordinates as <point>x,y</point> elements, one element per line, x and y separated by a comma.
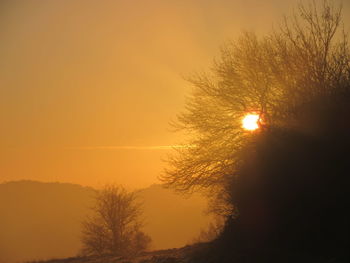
<point>88,87</point>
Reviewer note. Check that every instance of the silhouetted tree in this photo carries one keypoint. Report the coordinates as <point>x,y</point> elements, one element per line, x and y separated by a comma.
<point>285,187</point>
<point>306,57</point>
<point>114,227</point>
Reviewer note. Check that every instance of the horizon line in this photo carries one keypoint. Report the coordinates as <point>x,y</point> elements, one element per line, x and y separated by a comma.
<point>156,147</point>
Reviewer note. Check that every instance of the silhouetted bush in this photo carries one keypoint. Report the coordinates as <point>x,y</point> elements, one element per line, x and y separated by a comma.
<point>292,191</point>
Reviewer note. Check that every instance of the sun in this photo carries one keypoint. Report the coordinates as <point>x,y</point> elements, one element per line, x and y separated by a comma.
<point>250,122</point>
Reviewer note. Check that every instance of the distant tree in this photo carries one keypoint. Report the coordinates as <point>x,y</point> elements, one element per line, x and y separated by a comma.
<point>115,226</point>
<point>306,57</point>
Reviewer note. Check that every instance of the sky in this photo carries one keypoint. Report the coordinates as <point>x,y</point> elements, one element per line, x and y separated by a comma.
<point>88,88</point>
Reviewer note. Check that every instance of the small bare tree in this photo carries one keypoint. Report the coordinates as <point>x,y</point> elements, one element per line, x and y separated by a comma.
<point>115,226</point>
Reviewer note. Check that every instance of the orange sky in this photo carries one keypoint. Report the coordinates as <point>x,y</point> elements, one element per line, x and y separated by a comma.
<point>80,78</point>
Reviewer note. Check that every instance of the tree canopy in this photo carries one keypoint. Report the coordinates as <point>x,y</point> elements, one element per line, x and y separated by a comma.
<point>284,186</point>
<point>305,58</point>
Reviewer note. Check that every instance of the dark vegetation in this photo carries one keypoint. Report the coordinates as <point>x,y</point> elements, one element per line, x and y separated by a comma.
<point>292,195</point>
<point>283,188</point>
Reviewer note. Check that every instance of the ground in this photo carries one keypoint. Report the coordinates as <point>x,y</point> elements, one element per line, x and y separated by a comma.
<point>175,255</point>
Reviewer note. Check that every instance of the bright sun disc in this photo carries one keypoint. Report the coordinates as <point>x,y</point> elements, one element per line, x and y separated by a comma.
<point>250,122</point>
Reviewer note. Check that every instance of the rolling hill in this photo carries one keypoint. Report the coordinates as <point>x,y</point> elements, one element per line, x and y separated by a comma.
<point>43,220</point>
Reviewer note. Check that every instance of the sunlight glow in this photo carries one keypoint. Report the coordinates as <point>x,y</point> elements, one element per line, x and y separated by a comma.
<point>250,122</point>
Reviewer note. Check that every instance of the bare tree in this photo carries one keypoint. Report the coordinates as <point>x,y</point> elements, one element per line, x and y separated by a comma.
<point>114,227</point>
<point>305,57</point>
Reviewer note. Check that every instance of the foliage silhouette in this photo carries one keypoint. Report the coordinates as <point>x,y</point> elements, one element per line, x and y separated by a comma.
<point>292,193</point>
<point>307,56</point>
<point>284,188</point>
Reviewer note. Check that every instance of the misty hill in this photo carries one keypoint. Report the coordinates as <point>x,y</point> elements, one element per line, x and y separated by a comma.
<point>42,220</point>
